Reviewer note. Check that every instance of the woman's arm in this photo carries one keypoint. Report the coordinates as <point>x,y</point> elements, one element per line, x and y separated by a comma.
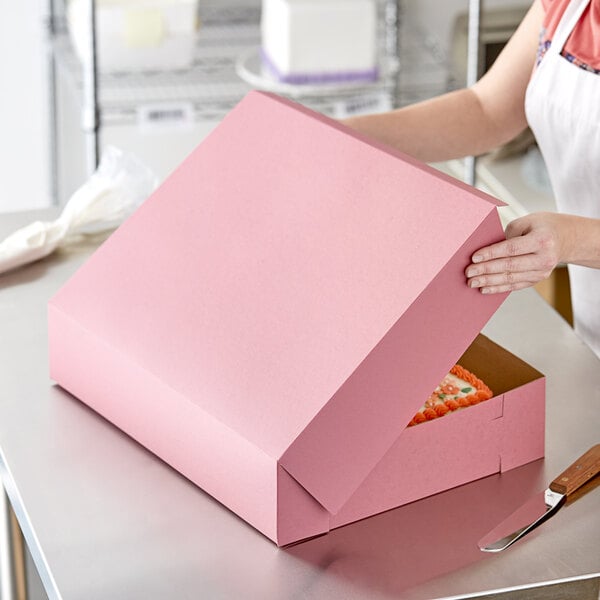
<point>468,121</point>
<point>535,244</point>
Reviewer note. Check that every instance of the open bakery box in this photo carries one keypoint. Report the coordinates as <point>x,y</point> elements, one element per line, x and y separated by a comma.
<point>273,316</point>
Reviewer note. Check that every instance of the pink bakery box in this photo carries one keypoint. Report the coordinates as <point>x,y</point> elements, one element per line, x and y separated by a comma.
<point>274,315</point>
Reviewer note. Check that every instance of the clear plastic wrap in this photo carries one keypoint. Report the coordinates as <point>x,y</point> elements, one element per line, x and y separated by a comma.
<point>118,186</point>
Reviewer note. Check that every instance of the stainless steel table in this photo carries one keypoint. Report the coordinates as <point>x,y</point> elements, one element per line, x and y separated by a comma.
<point>104,518</point>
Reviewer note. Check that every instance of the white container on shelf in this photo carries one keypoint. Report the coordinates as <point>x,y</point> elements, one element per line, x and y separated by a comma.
<point>314,41</point>
<point>136,35</point>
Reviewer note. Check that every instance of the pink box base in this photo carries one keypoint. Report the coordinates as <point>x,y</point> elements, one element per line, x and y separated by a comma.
<point>503,433</point>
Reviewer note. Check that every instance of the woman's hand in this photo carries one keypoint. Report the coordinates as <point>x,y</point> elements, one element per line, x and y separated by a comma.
<point>535,244</point>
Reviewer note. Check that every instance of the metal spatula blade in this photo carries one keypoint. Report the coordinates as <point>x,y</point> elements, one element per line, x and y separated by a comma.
<point>534,512</point>
<point>544,504</point>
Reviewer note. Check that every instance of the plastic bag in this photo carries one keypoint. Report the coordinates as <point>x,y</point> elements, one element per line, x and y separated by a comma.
<point>118,186</point>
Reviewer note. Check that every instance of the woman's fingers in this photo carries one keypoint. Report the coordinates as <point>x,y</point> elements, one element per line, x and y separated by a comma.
<point>509,287</point>
<point>513,246</point>
<point>509,271</point>
<point>506,281</point>
<point>512,264</point>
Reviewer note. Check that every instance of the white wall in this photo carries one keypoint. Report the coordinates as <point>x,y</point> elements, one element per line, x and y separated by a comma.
<point>23,102</point>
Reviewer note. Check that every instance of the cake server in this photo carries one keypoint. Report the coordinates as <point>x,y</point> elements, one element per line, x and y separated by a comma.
<point>544,504</point>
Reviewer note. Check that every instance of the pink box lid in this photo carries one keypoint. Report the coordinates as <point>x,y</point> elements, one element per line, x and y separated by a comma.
<point>286,278</point>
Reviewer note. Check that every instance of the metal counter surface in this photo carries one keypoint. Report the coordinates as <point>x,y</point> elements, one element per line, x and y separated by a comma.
<point>104,518</point>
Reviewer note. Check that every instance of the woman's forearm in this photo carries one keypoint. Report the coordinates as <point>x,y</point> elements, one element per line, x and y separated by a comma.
<point>469,121</point>
<point>449,126</point>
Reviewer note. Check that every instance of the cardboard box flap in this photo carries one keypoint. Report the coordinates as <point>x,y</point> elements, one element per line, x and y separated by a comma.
<point>301,284</point>
<point>349,436</point>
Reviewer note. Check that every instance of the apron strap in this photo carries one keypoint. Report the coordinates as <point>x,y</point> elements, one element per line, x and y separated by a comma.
<point>566,25</point>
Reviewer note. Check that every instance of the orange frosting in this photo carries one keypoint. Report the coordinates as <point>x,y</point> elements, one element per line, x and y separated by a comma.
<point>440,404</point>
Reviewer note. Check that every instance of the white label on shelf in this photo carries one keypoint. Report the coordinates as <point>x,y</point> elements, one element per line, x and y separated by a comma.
<point>364,104</point>
<point>165,115</point>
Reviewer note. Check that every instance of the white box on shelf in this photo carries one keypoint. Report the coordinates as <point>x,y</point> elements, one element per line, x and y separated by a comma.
<point>136,35</point>
<point>312,41</point>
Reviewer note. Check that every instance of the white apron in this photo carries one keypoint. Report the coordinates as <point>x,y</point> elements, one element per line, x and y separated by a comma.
<point>562,105</point>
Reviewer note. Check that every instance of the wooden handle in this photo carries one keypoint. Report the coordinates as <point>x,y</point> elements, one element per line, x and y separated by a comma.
<point>582,470</point>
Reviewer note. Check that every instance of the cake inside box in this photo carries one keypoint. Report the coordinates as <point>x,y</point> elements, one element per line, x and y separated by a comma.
<point>458,390</point>
<point>501,433</point>
<point>466,386</point>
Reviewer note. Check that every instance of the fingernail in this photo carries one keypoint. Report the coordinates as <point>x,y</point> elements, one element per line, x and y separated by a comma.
<point>474,283</point>
<point>486,291</point>
<point>477,258</point>
<point>472,271</point>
